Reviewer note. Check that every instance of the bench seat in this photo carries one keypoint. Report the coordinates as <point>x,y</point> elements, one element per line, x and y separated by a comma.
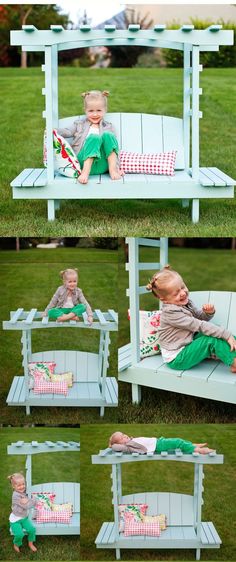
<point>179,536</point>
<point>210,379</point>
<point>138,133</point>
<point>87,385</point>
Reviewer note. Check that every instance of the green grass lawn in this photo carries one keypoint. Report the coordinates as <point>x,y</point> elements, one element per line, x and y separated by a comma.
<point>202,269</point>
<point>59,467</point>
<point>219,484</point>
<point>30,278</point>
<point>132,90</point>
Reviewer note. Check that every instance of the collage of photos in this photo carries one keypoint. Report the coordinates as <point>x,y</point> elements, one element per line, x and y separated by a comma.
<point>118,276</point>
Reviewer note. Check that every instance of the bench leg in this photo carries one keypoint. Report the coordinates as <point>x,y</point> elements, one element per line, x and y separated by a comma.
<point>102,411</point>
<point>51,209</point>
<point>185,203</point>
<point>136,393</point>
<point>195,210</point>
<point>27,410</point>
<point>198,554</point>
<point>117,553</point>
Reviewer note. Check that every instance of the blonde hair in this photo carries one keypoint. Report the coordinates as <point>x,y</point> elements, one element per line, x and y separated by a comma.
<point>95,94</point>
<point>64,274</point>
<point>15,477</point>
<point>114,438</point>
<point>160,280</point>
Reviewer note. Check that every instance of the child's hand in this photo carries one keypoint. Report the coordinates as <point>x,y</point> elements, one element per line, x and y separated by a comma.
<point>208,308</point>
<point>90,320</point>
<point>232,343</point>
<point>44,314</point>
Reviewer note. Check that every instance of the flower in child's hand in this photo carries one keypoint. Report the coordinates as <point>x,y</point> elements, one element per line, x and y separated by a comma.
<point>208,308</point>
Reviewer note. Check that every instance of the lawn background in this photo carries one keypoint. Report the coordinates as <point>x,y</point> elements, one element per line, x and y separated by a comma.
<point>202,269</point>
<point>29,278</point>
<point>56,467</point>
<point>219,487</point>
<point>132,90</point>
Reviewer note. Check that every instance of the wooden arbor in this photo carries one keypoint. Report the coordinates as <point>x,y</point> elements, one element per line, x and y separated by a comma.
<point>65,491</point>
<point>136,132</point>
<point>210,379</point>
<point>185,528</point>
<point>91,386</point>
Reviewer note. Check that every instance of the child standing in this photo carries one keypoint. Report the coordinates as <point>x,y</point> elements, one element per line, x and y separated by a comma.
<point>68,302</point>
<point>19,521</point>
<point>123,443</point>
<point>94,139</point>
<point>186,336</point>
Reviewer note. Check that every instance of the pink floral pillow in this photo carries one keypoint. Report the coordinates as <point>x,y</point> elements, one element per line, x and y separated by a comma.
<point>44,499</point>
<point>162,163</point>
<point>149,321</point>
<point>135,511</point>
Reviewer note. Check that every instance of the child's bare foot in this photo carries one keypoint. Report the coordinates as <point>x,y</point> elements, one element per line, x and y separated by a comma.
<point>16,548</point>
<point>233,366</point>
<point>32,547</point>
<point>77,318</point>
<point>116,174</point>
<point>200,444</point>
<point>83,178</point>
<point>203,450</point>
<point>65,317</point>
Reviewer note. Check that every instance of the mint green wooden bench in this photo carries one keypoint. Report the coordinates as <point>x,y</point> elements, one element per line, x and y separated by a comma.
<point>65,491</point>
<point>185,528</point>
<point>91,386</point>
<point>210,379</point>
<point>136,132</point>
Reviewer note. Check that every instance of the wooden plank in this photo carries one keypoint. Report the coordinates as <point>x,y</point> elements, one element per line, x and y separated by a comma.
<point>113,314</point>
<point>152,133</point>
<point>111,393</point>
<point>217,180</point>
<point>232,316</point>
<point>216,538</point>
<point>131,132</point>
<point>18,181</point>
<point>173,139</point>
<point>16,316</point>
<point>227,179</point>
<point>115,119</point>
<point>100,316</point>
<point>38,177</point>
<point>29,319</point>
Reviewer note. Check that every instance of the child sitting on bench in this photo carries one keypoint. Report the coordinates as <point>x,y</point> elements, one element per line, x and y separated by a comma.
<point>19,521</point>
<point>123,443</point>
<point>186,336</point>
<point>94,139</point>
<point>68,302</point>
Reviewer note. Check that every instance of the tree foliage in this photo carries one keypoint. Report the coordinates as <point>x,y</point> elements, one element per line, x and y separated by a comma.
<point>13,16</point>
<point>126,57</point>
<point>225,57</point>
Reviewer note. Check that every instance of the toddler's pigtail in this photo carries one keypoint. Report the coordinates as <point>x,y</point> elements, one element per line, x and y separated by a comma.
<point>105,93</point>
<point>84,94</point>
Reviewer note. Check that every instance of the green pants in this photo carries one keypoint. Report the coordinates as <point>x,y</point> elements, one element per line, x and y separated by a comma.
<point>172,444</point>
<point>203,347</point>
<point>18,530</point>
<point>55,313</point>
<point>98,147</point>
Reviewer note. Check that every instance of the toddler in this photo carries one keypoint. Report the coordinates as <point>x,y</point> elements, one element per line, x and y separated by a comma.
<point>123,443</point>
<point>94,139</point>
<point>68,302</point>
<point>186,336</point>
<point>19,521</point>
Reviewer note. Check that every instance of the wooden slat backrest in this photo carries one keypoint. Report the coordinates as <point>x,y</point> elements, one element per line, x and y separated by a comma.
<point>178,508</point>
<point>140,132</point>
<point>223,301</point>
<point>65,492</point>
<point>83,366</point>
